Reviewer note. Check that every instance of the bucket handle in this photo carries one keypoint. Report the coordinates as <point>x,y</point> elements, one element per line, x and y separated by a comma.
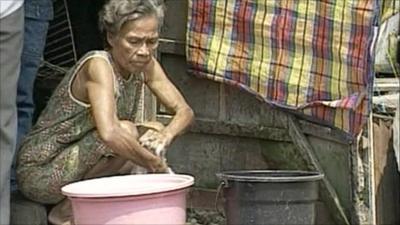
<point>221,185</point>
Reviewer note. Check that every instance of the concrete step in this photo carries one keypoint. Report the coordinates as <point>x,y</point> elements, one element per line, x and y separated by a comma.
<point>26,212</point>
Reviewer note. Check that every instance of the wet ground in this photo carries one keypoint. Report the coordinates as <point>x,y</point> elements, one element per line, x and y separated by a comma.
<point>204,217</point>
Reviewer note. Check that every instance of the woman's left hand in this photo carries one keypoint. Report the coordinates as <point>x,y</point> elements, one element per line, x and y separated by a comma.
<point>156,141</point>
<point>155,138</point>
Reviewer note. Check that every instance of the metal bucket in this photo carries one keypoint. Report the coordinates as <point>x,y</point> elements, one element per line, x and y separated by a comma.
<point>270,196</point>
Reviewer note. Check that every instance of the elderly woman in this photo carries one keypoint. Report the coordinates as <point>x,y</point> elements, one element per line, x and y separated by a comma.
<point>88,127</point>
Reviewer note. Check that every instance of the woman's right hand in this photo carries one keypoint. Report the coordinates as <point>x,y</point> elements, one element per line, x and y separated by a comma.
<point>157,165</point>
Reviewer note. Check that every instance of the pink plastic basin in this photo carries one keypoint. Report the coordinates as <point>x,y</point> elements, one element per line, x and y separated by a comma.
<point>131,199</point>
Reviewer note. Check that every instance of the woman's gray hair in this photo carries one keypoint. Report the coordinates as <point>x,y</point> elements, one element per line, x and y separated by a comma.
<point>117,12</point>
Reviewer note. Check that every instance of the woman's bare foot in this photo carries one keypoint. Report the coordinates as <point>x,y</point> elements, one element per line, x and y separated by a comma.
<point>61,214</point>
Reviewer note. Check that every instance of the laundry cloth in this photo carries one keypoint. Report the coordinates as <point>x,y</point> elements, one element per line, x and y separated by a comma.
<point>311,56</point>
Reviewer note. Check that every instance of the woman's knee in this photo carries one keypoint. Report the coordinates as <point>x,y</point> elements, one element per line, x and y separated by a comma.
<point>38,186</point>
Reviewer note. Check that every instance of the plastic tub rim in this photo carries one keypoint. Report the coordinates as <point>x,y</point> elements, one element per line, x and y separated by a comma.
<point>243,176</point>
<point>187,181</point>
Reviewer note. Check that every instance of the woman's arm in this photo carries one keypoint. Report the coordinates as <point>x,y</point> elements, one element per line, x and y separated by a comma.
<point>172,99</point>
<point>99,84</point>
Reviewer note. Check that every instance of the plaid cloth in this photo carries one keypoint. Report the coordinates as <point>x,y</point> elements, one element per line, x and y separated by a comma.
<point>308,55</point>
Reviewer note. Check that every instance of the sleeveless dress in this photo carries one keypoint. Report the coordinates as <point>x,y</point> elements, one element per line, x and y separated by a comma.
<point>64,143</point>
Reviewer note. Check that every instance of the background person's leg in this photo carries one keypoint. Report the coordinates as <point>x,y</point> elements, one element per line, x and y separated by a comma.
<point>11,33</point>
<point>34,43</point>
<point>32,52</point>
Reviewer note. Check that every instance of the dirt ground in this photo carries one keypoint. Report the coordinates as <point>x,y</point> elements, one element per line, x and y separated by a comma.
<point>204,217</point>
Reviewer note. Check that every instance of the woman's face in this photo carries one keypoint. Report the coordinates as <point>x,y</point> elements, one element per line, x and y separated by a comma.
<point>132,48</point>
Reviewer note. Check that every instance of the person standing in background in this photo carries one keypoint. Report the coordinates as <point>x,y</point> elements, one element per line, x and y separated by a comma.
<point>38,13</point>
<point>11,40</point>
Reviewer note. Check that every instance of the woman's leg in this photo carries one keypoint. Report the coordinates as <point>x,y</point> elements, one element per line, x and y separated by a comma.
<point>107,166</point>
<point>61,214</point>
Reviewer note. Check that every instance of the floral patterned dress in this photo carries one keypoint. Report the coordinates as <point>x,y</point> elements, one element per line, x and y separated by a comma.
<point>64,143</point>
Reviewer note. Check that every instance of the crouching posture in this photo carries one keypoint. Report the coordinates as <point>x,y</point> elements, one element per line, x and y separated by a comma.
<point>88,127</point>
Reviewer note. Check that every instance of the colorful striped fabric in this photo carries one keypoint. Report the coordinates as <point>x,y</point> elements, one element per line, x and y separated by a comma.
<point>308,55</point>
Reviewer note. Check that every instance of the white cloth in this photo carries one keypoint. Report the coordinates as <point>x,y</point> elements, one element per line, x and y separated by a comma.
<point>396,135</point>
<point>387,40</point>
<point>9,6</point>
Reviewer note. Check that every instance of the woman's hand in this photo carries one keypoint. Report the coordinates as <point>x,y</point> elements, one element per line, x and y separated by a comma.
<point>132,130</point>
<point>155,141</point>
<point>155,138</point>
